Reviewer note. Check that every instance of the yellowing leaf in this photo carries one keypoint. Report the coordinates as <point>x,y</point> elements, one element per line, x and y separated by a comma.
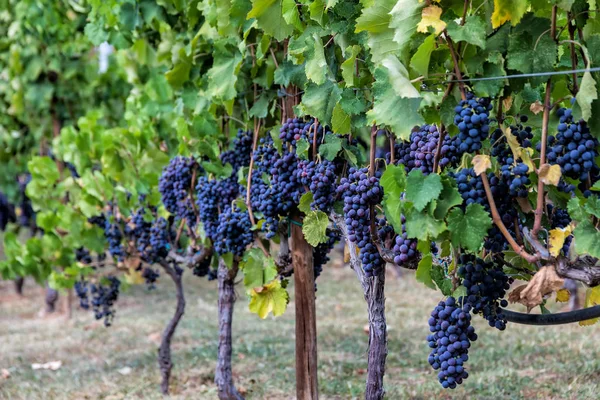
<point>550,174</point>
<point>134,277</point>
<point>270,298</point>
<point>563,295</point>
<point>508,10</point>
<point>481,163</point>
<point>592,298</point>
<point>507,103</point>
<point>525,155</point>
<point>431,17</point>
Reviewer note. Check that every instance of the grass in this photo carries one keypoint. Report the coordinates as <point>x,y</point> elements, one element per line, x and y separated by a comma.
<point>522,362</point>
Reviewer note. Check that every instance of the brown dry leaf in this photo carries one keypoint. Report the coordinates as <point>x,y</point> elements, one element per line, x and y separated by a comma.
<point>5,373</point>
<point>543,283</point>
<point>524,204</point>
<point>536,107</point>
<point>507,103</point>
<point>481,163</point>
<point>515,295</point>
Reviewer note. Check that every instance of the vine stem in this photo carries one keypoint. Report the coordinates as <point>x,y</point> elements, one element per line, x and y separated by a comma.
<point>573,54</point>
<point>372,149</point>
<point>392,148</point>
<point>539,209</point>
<point>438,150</point>
<point>461,84</point>
<point>498,221</point>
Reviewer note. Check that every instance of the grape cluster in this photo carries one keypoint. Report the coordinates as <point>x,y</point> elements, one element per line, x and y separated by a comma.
<point>516,177</point>
<point>101,297</point>
<point>7,212</point>
<point>472,119</point>
<point>27,214</point>
<point>294,129</point>
<point>214,196</point>
<point>360,191</point>
<point>470,187</point>
<point>405,249</point>
<point>114,236</point>
<point>320,180</point>
<point>202,268</point>
<point>486,285</point>
<point>239,156</point>
<point>419,152</point>
<point>450,340</point>
<point>174,186</point>
<point>233,233</point>
<point>150,276</point>
<point>573,148</point>
<point>321,252</point>
<point>83,255</point>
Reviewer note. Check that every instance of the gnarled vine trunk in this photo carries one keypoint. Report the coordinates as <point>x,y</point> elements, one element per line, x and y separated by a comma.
<point>165,362</point>
<point>51,299</point>
<point>223,372</point>
<point>306,321</point>
<point>373,290</point>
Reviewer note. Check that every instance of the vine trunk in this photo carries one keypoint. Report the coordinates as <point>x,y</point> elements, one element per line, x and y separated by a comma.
<point>165,362</point>
<point>223,373</point>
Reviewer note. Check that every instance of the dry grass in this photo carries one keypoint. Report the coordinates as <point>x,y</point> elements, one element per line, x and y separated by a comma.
<point>522,362</point>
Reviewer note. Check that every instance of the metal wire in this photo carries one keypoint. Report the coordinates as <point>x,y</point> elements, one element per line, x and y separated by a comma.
<point>552,319</point>
<point>532,75</point>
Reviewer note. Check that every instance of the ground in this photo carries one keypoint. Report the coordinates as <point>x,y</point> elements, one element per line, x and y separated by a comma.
<point>120,362</point>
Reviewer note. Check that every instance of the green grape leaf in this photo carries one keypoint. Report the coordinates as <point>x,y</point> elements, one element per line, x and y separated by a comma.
<point>592,206</point>
<point>469,229</point>
<point>316,9</point>
<point>422,226</point>
<point>449,198</point>
<point>423,273</point>
<point>223,74</point>
<point>290,14</point>
<point>95,32</point>
<point>420,60</point>
<point>439,278</point>
<point>316,66</point>
<point>260,108</point>
<point>393,182</point>
<point>492,87</point>
<point>290,73</point>
<point>404,18</point>
<point>269,17</point>
<point>314,227</point>
<point>180,73</point>
<point>44,169</point>
<point>340,121</point>
<point>302,147</point>
<point>319,101</point>
<point>375,19</point>
<point>421,189</point>
<point>348,66</point>
<point>258,269</point>
<point>472,32</point>
<point>332,146</point>
<point>587,239</point>
<point>305,202</point>
<point>396,100</point>
<point>586,95</point>
<point>271,298</point>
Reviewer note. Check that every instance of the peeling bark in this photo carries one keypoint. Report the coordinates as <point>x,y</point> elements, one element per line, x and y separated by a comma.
<point>223,372</point>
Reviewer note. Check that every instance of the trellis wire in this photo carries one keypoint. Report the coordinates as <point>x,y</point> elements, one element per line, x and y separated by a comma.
<point>532,75</point>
